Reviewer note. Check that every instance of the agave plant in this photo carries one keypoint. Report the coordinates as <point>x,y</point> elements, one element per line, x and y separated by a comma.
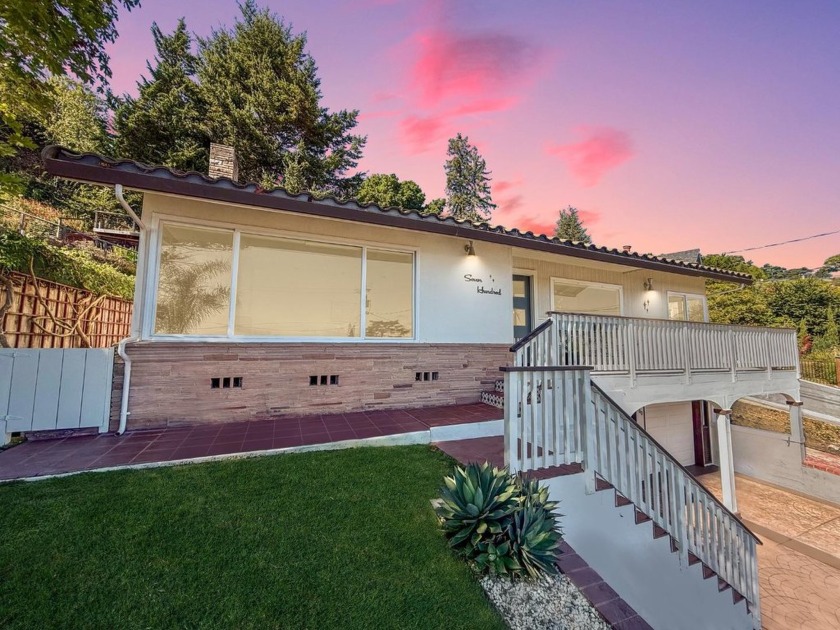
<point>477,505</point>
<point>497,558</point>
<point>532,494</point>
<point>534,540</point>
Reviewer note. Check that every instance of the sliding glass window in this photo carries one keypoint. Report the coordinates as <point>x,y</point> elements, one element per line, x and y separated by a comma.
<point>284,287</point>
<point>193,291</point>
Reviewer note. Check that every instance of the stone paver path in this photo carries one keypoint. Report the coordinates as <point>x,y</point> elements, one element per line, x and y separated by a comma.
<point>799,562</point>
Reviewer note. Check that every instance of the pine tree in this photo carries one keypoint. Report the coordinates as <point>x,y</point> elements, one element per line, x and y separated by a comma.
<point>78,118</point>
<point>467,182</point>
<point>263,97</point>
<point>570,227</point>
<point>165,123</point>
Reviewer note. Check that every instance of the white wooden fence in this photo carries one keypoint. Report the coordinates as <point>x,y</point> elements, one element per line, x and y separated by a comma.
<point>55,388</point>
<point>556,415</point>
<point>627,345</point>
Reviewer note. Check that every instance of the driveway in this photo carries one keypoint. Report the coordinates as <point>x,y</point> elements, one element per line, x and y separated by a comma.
<point>799,562</point>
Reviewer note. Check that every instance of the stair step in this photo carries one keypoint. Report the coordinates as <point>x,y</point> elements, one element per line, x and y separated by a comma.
<point>500,386</point>
<point>621,500</point>
<point>494,399</point>
<point>722,585</point>
<point>707,572</point>
<point>674,546</point>
<point>641,517</point>
<point>692,559</point>
<point>658,532</point>
<point>737,598</point>
<point>601,484</point>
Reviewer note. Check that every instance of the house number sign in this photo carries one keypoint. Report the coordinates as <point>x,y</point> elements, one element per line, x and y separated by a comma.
<point>479,285</point>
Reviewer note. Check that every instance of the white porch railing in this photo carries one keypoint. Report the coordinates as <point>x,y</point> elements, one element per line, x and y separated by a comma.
<point>625,345</point>
<point>543,407</point>
<point>639,468</point>
<point>555,415</point>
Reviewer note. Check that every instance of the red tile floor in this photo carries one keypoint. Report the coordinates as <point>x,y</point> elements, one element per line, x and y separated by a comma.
<point>49,457</point>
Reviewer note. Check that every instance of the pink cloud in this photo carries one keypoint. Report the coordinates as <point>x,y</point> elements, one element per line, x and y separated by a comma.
<point>420,132</point>
<point>469,66</point>
<point>588,217</point>
<point>601,149</point>
<point>504,185</point>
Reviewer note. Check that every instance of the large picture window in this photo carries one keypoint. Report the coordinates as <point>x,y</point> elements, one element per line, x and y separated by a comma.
<point>284,287</point>
<point>292,288</point>
<point>571,296</point>
<point>193,294</point>
<point>686,307</point>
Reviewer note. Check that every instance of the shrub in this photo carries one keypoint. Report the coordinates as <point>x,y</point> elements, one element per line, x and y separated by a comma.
<point>502,523</point>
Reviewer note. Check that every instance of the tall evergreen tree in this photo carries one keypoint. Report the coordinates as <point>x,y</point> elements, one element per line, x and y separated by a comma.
<point>570,227</point>
<point>165,124</point>
<point>467,182</point>
<point>78,119</point>
<point>263,97</point>
<point>387,190</point>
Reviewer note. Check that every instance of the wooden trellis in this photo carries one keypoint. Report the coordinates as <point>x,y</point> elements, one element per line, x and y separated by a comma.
<point>46,314</point>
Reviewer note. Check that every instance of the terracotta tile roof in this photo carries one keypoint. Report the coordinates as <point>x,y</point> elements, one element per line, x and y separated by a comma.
<point>100,169</point>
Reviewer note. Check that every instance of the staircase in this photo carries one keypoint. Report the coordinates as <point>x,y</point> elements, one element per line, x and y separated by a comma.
<point>555,416</point>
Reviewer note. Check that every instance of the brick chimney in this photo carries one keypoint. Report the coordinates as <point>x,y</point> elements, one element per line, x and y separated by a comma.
<point>627,248</point>
<point>223,162</point>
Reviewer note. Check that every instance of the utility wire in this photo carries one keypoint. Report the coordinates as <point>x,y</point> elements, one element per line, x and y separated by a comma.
<point>795,240</point>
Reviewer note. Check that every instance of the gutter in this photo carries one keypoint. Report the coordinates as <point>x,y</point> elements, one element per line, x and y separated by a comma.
<point>135,319</point>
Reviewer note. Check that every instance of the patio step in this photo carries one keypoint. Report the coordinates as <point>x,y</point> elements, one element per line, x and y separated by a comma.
<point>493,398</point>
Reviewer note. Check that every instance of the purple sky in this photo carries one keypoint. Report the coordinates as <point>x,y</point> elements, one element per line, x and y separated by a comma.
<point>670,125</point>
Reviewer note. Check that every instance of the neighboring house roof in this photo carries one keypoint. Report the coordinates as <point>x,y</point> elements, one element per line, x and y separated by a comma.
<point>90,167</point>
<point>687,256</point>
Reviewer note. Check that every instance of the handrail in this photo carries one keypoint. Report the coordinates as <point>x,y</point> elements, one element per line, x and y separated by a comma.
<point>667,453</point>
<point>531,335</point>
<point>676,321</point>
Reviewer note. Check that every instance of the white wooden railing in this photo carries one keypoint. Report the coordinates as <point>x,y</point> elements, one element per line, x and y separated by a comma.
<point>543,407</point>
<point>626,456</point>
<point>555,415</point>
<point>626,345</point>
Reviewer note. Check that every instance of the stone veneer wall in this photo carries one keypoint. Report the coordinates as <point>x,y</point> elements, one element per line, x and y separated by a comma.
<point>170,382</point>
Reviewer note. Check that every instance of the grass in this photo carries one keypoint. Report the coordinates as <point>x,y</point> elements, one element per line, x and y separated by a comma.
<point>320,540</point>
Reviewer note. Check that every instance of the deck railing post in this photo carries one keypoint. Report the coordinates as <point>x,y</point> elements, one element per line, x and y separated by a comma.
<point>631,351</point>
<point>512,417</point>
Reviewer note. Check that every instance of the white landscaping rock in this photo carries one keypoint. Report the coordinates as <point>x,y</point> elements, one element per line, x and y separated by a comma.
<point>550,602</point>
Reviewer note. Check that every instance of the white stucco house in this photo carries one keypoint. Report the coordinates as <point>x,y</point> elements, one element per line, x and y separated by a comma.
<point>252,302</point>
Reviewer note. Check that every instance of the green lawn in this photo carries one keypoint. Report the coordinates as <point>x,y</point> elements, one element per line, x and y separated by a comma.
<point>340,539</point>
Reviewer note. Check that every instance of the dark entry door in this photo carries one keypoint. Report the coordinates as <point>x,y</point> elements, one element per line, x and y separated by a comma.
<point>700,420</point>
<point>523,319</point>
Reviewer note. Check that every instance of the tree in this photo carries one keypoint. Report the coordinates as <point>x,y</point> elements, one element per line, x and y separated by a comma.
<point>435,206</point>
<point>805,298</point>
<point>165,123</point>
<point>830,339</point>
<point>467,182</point>
<point>42,39</point>
<point>78,119</point>
<point>570,227</point>
<point>263,97</point>
<point>388,190</point>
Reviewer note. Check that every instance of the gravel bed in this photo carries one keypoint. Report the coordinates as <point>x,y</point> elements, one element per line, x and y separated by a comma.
<point>550,602</point>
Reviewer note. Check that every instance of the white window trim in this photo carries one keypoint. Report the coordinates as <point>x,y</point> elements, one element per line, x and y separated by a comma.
<point>152,276</point>
<point>685,297</point>
<point>586,283</point>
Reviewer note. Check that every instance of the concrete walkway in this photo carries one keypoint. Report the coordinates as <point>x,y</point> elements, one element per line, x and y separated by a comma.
<point>799,562</point>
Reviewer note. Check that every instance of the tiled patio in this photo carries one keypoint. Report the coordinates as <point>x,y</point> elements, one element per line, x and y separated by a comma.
<point>49,457</point>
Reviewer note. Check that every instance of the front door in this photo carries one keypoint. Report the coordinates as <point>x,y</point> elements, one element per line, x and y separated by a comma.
<point>700,420</point>
<point>523,321</point>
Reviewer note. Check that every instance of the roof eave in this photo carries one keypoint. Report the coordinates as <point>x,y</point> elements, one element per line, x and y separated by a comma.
<point>106,173</point>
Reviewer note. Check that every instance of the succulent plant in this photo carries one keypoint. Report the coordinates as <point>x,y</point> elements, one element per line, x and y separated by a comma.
<point>477,505</point>
<point>534,540</point>
<point>503,523</point>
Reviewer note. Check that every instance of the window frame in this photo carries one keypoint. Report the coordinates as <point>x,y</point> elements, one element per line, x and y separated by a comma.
<point>685,295</point>
<point>153,274</point>
<point>586,283</point>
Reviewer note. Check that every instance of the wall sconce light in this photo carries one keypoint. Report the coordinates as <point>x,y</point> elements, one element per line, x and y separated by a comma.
<point>649,284</point>
<point>469,249</point>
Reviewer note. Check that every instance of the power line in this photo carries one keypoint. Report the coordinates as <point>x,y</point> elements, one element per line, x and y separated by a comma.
<point>795,240</point>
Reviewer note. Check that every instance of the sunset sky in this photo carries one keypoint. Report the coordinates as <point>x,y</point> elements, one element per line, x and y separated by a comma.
<point>670,125</point>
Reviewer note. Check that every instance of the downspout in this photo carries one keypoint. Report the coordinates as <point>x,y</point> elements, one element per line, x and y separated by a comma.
<point>135,325</point>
